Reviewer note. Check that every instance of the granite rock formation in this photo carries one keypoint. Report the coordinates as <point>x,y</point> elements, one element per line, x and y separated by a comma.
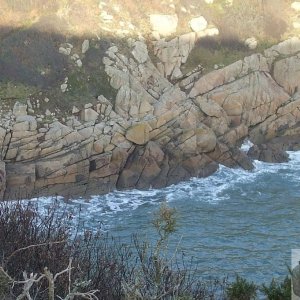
<point>162,128</point>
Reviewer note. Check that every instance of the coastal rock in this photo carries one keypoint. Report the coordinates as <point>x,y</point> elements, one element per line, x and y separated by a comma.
<point>89,115</point>
<point>251,43</point>
<point>85,46</point>
<point>140,52</point>
<point>162,127</point>
<point>268,153</point>
<point>164,24</point>
<point>206,139</point>
<point>20,109</point>
<point>286,73</point>
<point>138,133</point>
<point>296,6</point>
<point>288,47</point>
<point>198,24</point>
<point>209,107</point>
<point>143,167</point>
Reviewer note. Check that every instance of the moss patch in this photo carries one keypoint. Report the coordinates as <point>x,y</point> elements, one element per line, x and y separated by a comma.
<point>209,52</point>
<point>15,90</point>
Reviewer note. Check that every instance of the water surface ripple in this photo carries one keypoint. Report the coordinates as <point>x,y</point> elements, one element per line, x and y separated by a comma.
<point>234,221</point>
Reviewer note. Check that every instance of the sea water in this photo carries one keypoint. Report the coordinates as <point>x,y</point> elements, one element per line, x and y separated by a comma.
<point>233,222</point>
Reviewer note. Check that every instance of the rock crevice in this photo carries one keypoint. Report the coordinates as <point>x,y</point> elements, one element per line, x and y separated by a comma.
<point>157,132</point>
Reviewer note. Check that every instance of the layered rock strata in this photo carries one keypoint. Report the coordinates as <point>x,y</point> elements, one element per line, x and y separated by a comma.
<point>163,127</point>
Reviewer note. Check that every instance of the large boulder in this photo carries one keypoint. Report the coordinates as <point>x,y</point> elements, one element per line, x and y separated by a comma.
<point>164,24</point>
<point>209,107</point>
<point>296,6</point>
<point>198,24</point>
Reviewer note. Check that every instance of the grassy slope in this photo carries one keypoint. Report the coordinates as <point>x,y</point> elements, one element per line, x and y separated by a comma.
<point>31,32</point>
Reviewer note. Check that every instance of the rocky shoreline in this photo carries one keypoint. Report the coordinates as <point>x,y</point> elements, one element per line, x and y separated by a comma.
<point>162,128</point>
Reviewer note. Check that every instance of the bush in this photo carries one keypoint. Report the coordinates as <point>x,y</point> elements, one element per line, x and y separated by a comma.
<point>278,291</point>
<point>241,289</point>
<point>30,241</point>
<point>44,249</point>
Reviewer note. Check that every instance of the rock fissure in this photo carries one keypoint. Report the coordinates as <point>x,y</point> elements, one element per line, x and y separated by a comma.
<point>163,127</point>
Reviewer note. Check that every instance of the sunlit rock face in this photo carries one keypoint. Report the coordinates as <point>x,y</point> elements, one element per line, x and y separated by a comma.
<point>87,109</point>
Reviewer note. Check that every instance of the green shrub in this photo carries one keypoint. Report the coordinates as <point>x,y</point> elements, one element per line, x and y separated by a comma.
<point>241,289</point>
<point>278,291</point>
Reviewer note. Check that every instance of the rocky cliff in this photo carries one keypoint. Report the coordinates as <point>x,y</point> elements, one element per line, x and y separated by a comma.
<point>94,99</point>
<point>161,128</point>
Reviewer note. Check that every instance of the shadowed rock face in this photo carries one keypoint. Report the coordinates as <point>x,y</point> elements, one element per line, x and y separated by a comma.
<point>158,132</point>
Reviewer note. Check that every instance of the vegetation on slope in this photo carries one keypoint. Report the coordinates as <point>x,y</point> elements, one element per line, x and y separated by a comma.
<point>31,32</point>
<point>42,257</point>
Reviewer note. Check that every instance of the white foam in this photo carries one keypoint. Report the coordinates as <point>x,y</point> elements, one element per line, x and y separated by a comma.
<point>212,189</point>
<point>246,145</point>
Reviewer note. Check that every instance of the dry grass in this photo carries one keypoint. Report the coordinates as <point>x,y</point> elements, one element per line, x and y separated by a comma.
<point>260,18</point>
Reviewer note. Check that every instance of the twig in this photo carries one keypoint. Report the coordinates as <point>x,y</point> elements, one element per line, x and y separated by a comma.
<point>88,295</point>
<point>5,275</point>
<point>69,267</point>
<point>33,246</point>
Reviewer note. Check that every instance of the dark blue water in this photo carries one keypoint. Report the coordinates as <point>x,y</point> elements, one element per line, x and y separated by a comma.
<point>232,222</point>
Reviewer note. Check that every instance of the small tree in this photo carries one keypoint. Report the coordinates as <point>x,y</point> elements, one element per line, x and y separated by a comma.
<point>165,222</point>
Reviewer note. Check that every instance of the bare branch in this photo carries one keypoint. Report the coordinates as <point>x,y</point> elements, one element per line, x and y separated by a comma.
<point>5,274</point>
<point>28,282</point>
<point>34,246</point>
<point>88,295</point>
<point>66,270</point>
<point>31,279</point>
<point>50,279</point>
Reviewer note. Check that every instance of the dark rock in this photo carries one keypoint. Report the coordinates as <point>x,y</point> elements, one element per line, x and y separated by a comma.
<point>243,160</point>
<point>142,167</point>
<point>271,153</point>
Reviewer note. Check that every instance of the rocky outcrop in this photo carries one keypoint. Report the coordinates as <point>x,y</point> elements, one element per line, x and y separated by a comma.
<point>163,127</point>
<point>164,24</point>
<point>268,153</point>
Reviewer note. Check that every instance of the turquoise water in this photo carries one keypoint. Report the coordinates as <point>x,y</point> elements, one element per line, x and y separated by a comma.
<point>232,222</point>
